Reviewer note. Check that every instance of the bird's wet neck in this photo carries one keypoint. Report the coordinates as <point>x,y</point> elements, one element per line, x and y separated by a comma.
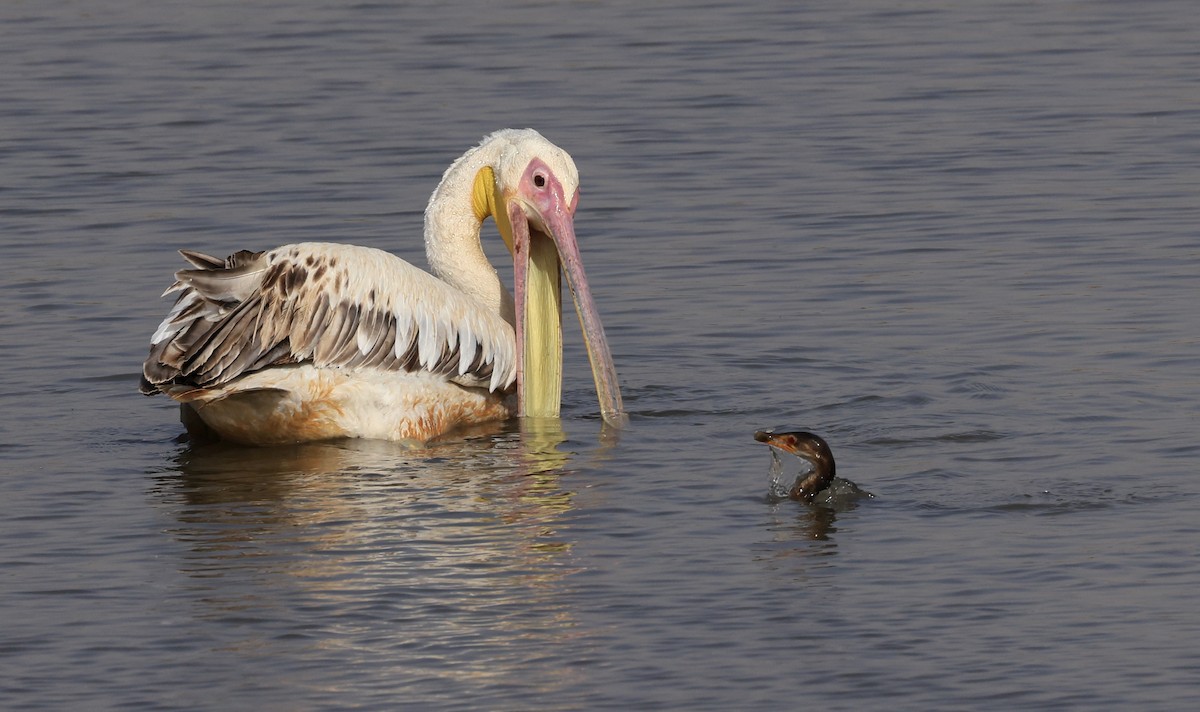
<point>808,486</point>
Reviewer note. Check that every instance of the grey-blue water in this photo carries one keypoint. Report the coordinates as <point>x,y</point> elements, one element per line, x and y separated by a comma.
<point>959,240</point>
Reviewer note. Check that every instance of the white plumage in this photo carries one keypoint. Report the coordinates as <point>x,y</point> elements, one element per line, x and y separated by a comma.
<point>318,340</point>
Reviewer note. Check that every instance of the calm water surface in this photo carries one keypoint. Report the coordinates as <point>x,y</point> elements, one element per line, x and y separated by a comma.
<point>958,241</point>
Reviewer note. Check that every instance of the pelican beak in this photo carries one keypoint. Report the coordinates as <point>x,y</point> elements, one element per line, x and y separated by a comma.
<point>544,247</point>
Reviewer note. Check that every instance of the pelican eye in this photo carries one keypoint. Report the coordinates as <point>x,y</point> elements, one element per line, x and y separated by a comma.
<point>539,180</point>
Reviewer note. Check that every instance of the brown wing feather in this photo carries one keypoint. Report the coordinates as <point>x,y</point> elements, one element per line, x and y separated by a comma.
<point>331,305</point>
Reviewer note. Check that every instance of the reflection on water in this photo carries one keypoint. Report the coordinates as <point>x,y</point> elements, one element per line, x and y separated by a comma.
<point>816,518</point>
<point>797,540</point>
<point>956,235</point>
<point>454,547</point>
<point>793,522</point>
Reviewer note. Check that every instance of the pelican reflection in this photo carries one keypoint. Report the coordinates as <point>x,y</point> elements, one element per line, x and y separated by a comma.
<point>457,546</point>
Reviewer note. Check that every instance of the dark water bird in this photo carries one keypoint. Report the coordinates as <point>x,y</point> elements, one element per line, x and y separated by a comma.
<point>820,484</point>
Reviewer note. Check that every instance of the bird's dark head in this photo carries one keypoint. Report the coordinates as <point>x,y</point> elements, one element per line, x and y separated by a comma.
<point>808,447</point>
<point>799,443</point>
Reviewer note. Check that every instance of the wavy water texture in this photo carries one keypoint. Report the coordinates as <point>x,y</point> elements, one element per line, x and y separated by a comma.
<point>957,240</point>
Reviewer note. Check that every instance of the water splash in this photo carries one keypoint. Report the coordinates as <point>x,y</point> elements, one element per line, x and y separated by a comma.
<point>840,494</point>
<point>776,490</point>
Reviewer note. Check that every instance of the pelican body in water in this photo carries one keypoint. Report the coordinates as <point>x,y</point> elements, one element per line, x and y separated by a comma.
<point>821,483</point>
<point>314,341</point>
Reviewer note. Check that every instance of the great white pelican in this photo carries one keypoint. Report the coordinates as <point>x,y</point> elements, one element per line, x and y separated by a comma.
<point>313,341</point>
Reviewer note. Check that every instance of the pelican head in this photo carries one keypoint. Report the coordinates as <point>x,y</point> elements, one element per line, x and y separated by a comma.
<point>530,187</point>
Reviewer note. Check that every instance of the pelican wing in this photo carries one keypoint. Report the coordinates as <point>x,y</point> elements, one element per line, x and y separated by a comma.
<point>335,306</point>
